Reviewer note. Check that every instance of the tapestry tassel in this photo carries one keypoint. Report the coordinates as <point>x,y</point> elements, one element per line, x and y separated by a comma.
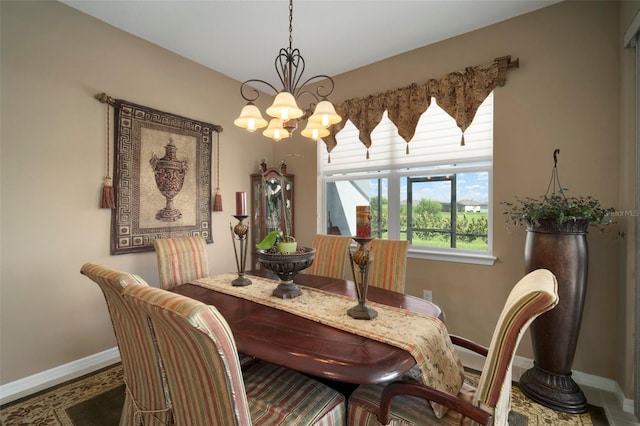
<point>329,158</point>
<point>107,194</point>
<point>407,150</point>
<point>367,153</point>
<point>462,140</point>
<point>217,201</point>
<point>107,201</point>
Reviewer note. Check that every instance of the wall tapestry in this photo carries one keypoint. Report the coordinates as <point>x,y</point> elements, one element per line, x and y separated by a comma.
<point>162,177</point>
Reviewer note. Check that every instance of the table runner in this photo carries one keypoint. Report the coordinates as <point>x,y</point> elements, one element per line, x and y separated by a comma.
<point>427,340</point>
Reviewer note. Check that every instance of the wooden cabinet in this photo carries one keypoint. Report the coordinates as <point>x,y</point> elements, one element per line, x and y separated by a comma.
<point>267,213</point>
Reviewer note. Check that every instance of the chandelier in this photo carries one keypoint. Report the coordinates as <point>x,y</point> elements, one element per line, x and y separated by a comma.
<point>284,111</point>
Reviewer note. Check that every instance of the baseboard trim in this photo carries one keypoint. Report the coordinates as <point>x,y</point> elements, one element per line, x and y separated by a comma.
<point>46,379</point>
<point>521,364</point>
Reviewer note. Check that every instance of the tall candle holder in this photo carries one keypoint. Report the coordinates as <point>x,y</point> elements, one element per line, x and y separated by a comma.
<point>362,258</point>
<point>239,233</point>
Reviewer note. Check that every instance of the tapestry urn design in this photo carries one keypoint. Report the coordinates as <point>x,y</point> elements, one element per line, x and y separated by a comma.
<point>169,173</point>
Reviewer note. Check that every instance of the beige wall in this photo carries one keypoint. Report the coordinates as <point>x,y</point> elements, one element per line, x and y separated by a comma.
<point>566,95</point>
<point>54,60</point>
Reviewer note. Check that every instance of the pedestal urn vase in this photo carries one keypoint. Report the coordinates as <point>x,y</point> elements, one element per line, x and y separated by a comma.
<point>286,266</point>
<point>169,173</point>
<point>562,250</point>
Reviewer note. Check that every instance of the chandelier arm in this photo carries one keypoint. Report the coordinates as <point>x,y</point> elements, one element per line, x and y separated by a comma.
<point>289,65</point>
<point>315,97</point>
<point>282,69</point>
<point>257,93</point>
<point>297,66</point>
<point>319,90</point>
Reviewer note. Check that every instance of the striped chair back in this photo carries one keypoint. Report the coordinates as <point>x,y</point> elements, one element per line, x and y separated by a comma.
<point>389,267</point>
<point>331,255</point>
<point>196,344</point>
<point>204,376</point>
<point>181,260</point>
<point>533,295</point>
<point>146,399</point>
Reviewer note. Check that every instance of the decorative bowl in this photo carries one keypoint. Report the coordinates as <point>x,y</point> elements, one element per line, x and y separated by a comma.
<point>286,266</point>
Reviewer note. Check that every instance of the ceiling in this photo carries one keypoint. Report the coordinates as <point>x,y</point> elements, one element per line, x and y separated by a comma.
<point>241,38</point>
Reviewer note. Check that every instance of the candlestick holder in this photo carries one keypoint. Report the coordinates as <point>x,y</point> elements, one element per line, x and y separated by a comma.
<point>362,259</point>
<point>239,233</point>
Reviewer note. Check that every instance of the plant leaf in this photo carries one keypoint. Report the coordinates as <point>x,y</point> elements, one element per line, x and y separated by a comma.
<point>269,240</point>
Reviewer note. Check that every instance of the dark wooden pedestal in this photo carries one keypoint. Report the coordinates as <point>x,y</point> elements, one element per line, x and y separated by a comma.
<point>556,391</point>
<point>554,334</point>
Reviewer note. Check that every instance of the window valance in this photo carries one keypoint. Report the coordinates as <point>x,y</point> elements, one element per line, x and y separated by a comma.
<point>458,93</point>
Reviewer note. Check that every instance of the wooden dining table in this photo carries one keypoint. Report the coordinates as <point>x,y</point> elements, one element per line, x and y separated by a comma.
<point>308,346</point>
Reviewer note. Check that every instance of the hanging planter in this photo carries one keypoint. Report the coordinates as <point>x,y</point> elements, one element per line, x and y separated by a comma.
<point>557,240</point>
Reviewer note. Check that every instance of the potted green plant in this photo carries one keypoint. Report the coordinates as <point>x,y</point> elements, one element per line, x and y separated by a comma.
<point>556,240</point>
<point>557,212</point>
<point>276,240</point>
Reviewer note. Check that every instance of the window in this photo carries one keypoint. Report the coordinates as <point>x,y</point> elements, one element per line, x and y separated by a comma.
<point>438,196</point>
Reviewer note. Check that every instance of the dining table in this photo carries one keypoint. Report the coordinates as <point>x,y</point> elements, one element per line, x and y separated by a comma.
<point>308,346</point>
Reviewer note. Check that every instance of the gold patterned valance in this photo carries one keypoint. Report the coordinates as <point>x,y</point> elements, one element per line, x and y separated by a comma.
<point>458,93</point>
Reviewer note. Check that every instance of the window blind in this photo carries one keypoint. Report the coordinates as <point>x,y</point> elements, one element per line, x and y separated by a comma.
<point>436,141</point>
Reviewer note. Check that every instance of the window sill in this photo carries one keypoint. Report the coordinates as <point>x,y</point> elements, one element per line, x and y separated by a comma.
<point>453,256</point>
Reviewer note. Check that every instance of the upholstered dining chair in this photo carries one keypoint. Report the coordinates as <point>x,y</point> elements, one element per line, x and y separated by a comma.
<point>406,402</point>
<point>389,267</point>
<point>203,373</point>
<point>331,255</point>
<point>146,397</point>
<point>181,259</point>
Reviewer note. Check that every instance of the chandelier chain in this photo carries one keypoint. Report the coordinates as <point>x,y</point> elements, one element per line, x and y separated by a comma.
<point>290,25</point>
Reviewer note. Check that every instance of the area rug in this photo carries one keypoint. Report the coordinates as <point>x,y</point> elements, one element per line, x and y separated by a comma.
<point>96,400</point>
<point>525,412</point>
<point>101,393</point>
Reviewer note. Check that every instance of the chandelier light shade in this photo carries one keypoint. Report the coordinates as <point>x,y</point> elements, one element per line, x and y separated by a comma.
<point>314,130</point>
<point>250,118</point>
<point>285,111</point>
<point>275,130</point>
<point>325,114</point>
<point>284,107</point>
